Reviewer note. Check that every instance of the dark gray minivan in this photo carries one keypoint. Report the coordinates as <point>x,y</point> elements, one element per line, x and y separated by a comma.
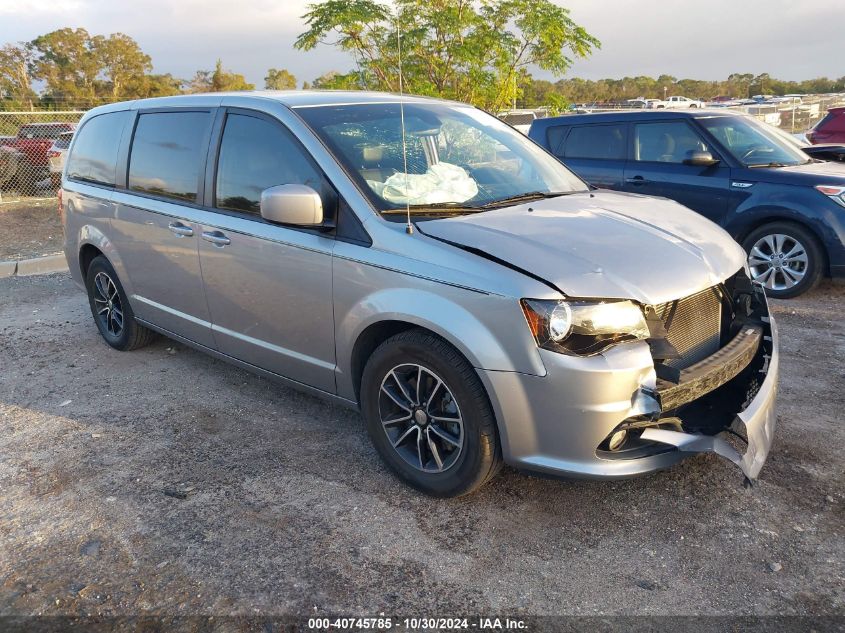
<point>423,262</point>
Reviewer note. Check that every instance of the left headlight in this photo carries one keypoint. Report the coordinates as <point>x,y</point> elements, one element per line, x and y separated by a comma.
<point>583,327</point>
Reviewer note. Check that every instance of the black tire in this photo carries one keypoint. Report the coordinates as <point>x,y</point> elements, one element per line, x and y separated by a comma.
<point>478,458</point>
<point>104,297</point>
<point>813,269</point>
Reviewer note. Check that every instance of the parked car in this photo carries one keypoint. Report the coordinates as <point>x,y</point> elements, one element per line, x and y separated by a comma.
<point>819,152</point>
<point>56,157</point>
<point>829,129</point>
<point>675,103</point>
<point>785,208</point>
<point>481,305</point>
<point>33,142</point>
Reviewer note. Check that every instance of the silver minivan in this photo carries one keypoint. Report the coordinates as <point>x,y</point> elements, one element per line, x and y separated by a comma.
<point>428,265</point>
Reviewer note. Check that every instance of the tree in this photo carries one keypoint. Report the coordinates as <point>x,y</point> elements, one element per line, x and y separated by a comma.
<point>15,81</point>
<point>218,80</point>
<point>161,85</point>
<point>279,80</point>
<point>68,64</point>
<point>457,49</point>
<point>124,64</point>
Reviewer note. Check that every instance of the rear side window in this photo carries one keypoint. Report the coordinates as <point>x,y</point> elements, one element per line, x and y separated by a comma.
<point>255,155</point>
<point>603,142</point>
<point>167,153</point>
<point>94,154</point>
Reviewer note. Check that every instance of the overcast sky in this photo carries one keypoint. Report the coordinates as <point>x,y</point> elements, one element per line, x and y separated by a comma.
<point>701,39</point>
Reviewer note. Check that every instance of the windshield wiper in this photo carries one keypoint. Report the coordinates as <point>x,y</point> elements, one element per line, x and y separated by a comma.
<point>771,165</point>
<point>522,197</point>
<point>434,206</point>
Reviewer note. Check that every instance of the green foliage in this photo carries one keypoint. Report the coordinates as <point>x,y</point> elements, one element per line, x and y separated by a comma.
<point>477,52</point>
<point>279,80</point>
<point>15,79</point>
<point>124,65</point>
<point>741,85</point>
<point>218,80</point>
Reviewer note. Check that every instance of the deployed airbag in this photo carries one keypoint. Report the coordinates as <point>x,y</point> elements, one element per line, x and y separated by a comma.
<point>442,182</point>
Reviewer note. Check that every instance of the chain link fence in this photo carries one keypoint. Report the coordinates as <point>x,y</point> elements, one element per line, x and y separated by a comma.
<point>33,146</point>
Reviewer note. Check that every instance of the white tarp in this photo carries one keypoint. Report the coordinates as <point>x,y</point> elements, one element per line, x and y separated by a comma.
<point>442,182</point>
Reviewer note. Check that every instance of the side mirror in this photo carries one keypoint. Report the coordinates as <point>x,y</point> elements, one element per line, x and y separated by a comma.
<point>292,204</point>
<point>700,158</point>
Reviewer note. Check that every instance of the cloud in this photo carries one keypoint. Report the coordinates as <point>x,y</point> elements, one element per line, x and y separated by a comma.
<point>702,40</point>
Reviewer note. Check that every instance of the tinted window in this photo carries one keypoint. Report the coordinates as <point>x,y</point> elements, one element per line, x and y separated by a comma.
<point>255,155</point>
<point>167,153</point>
<point>605,142</point>
<point>555,135</point>
<point>95,151</point>
<point>667,142</point>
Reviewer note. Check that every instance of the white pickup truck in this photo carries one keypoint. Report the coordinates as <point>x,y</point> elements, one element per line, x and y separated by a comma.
<point>675,102</point>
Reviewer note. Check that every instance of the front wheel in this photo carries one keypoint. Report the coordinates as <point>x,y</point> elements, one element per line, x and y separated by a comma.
<point>428,415</point>
<point>785,258</point>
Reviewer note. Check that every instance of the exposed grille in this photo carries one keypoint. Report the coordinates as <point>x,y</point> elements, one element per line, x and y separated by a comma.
<point>693,325</point>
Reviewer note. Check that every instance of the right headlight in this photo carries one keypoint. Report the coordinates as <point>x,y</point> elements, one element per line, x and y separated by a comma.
<point>583,327</point>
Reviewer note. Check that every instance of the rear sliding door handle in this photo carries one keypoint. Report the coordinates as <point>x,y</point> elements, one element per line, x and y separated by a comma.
<point>216,237</point>
<point>182,230</point>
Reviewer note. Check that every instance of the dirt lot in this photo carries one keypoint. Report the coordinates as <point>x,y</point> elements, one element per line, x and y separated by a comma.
<point>29,229</point>
<point>162,481</point>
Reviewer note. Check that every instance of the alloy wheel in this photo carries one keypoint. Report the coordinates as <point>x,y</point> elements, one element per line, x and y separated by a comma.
<point>108,307</point>
<point>421,418</point>
<point>778,261</point>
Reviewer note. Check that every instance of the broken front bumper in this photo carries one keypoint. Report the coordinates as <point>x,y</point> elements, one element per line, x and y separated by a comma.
<point>553,424</point>
<point>756,423</point>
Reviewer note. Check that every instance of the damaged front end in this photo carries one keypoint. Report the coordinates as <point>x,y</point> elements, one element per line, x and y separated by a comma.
<point>716,365</point>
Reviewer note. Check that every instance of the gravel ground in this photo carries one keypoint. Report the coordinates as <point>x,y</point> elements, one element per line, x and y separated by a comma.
<point>165,482</point>
<point>30,229</point>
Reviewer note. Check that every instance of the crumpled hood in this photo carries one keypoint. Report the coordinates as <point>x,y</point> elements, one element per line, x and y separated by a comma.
<point>602,245</point>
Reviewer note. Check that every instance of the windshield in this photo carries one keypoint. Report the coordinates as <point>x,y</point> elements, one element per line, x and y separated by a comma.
<point>458,158</point>
<point>751,143</point>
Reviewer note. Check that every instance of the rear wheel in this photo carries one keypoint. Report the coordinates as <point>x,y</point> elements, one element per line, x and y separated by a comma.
<point>111,310</point>
<point>428,415</point>
<point>785,258</point>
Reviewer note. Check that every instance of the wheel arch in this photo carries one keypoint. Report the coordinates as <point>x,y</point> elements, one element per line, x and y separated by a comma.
<point>93,242</point>
<point>782,217</point>
<point>377,317</point>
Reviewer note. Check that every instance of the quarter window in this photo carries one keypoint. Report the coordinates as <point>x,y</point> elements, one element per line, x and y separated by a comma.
<point>94,154</point>
<point>167,153</point>
<point>603,142</point>
<point>255,155</point>
<point>666,142</point>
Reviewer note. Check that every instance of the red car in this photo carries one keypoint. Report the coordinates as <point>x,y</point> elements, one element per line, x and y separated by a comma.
<point>831,129</point>
<point>36,138</point>
<point>24,157</point>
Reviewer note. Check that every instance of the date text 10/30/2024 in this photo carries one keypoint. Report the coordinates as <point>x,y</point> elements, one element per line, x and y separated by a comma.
<point>383,623</point>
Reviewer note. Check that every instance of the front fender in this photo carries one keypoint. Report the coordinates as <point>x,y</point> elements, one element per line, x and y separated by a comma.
<point>489,330</point>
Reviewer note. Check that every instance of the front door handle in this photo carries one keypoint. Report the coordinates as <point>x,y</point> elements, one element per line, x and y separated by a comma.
<point>636,180</point>
<point>181,230</point>
<point>216,237</point>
